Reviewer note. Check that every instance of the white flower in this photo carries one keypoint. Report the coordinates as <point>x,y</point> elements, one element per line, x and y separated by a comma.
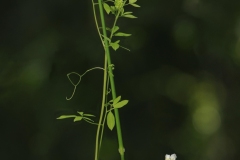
<point>172,157</point>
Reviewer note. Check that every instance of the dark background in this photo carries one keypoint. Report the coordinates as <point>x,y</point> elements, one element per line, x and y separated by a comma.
<point>181,77</point>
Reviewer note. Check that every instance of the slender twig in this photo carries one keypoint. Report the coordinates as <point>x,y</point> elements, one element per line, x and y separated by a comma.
<point>102,108</point>
<point>105,115</point>
<point>96,22</point>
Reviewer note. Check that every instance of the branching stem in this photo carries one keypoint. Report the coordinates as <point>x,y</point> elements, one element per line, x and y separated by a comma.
<point>112,84</point>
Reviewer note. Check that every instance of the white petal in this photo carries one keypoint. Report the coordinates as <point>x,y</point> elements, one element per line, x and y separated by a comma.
<point>173,157</point>
<point>167,157</point>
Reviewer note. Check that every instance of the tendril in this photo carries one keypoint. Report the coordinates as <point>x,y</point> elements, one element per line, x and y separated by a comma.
<point>80,77</point>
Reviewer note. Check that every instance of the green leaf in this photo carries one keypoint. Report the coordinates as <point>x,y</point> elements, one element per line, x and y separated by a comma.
<point>115,28</point>
<point>110,120</point>
<point>122,34</point>
<point>120,104</point>
<point>113,9</point>
<point>116,100</point>
<point>127,13</point>
<point>108,29</point>
<point>107,8</point>
<point>115,45</point>
<point>77,118</point>
<point>135,5</point>
<point>122,11</point>
<point>81,113</point>
<point>89,115</point>
<point>117,42</point>
<point>91,122</point>
<point>129,16</point>
<point>86,118</point>
<point>66,116</point>
<point>110,101</point>
<point>132,1</point>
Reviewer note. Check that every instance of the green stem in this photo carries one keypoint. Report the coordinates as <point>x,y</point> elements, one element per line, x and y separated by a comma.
<point>96,22</point>
<point>115,20</point>
<point>107,52</point>
<point>105,115</point>
<point>102,108</point>
<point>98,142</point>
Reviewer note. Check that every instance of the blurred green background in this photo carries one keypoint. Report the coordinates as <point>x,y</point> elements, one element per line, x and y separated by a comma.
<point>182,78</point>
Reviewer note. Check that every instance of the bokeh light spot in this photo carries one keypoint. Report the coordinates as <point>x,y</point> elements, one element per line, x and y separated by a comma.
<point>206,120</point>
<point>179,87</point>
<point>184,33</point>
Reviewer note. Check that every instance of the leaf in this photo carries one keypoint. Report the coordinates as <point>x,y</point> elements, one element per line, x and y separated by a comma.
<point>77,118</point>
<point>115,45</point>
<point>122,34</point>
<point>122,11</point>
<point>135,5</point>
<point>107,8</point>
<point>115,28</point>
<point>132,1</point>
<point>66,116</point>
<point>86,118</point>
<point>90,115</point>
<point>108,29</point>
<point>110,120</point>
<point>120,104</point>
<point>116,100</point>
<point>129,16</point>
<point>113,9</point>
<point>81,113</point>
<point>125,13</point>
<point>89,121</point>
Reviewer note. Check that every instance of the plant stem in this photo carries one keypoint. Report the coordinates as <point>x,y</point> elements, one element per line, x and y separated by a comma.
<point>105,114</point>
<point>98,142</point>
<point>116,18</point>
<point>107,52</point>
<point>102,108</point>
